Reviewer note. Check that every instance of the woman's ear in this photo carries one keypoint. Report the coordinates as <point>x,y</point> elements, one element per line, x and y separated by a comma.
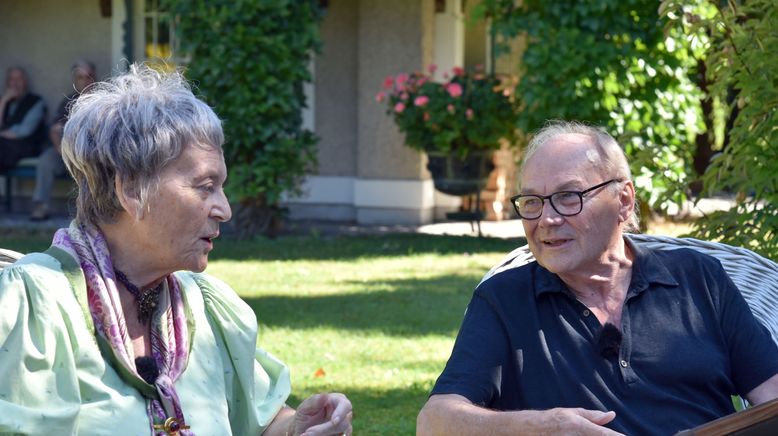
<point>128,198</point>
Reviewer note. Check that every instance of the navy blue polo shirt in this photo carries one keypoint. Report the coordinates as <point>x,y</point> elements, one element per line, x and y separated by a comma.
<point>689,342</point>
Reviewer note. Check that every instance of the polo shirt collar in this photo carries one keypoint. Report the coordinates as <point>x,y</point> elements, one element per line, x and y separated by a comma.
<point>646,269</point>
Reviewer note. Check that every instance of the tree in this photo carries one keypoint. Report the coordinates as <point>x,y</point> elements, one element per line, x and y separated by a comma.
<point>248,60</point>
<point>609,62</point>
<point>741,63</point>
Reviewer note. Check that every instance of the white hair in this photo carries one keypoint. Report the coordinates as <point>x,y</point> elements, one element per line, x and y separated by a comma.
<point>131,126</point>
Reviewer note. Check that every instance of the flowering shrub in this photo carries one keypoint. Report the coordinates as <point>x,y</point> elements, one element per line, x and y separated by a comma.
<point>471,111</point>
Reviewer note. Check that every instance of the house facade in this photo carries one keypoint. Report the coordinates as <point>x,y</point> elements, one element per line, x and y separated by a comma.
<point>365,173</point>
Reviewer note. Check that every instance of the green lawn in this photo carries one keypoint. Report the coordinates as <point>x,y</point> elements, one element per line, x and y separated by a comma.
<point>377,314</point>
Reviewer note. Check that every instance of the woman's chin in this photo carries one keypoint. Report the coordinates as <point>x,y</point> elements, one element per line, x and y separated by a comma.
<point>197,264</point>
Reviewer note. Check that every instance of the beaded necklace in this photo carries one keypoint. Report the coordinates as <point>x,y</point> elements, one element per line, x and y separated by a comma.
<point>146,299</point>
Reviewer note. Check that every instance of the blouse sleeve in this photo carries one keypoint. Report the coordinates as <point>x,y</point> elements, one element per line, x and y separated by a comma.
<point>260,383</point>
<point>39,391</point>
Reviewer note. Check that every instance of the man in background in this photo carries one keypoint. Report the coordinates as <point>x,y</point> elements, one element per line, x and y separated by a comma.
<point>22,120</point>
<point>50,164</point>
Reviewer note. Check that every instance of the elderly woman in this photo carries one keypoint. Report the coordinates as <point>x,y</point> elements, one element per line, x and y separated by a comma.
<point>114,329</point>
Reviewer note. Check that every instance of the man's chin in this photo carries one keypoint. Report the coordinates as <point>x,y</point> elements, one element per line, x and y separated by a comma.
<point>554,264</point>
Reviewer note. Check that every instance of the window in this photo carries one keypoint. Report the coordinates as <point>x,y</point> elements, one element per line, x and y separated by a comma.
<point>160,44</point>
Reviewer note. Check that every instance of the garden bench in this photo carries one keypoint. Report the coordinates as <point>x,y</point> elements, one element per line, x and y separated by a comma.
<point>25,169</point>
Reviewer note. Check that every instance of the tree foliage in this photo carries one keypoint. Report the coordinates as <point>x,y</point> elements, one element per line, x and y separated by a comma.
<point>608,62</point>
<point>741,61</point>
<point>248,60</point>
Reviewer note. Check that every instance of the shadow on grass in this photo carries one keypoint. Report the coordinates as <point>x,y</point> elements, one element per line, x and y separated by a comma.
<point>382,411</point>
<point>313,247</point>
<point>353,247</point>
<point>406,307</point>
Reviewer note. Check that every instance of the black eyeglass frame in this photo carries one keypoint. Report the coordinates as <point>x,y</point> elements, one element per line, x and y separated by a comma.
<point>543,198</point>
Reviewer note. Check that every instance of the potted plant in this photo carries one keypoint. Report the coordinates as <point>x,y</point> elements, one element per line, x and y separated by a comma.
<point>459,123</point>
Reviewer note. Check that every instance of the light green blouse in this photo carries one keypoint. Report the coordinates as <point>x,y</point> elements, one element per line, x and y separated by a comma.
<point>54,380</point>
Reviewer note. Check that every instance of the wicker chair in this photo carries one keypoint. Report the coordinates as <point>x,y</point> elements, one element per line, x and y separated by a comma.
<point>8,257</point>
<point>754,275</point>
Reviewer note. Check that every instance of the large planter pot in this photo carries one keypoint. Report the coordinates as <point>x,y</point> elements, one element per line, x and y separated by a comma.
<point>454,176</point>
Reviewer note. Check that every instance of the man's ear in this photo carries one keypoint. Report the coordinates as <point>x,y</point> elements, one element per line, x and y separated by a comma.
<point>627,200</point>
<point>128,198</point>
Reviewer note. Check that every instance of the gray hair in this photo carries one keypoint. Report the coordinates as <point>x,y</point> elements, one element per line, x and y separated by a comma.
<point>610,161</point>
<point>87,65</point>
<point>131,126</point>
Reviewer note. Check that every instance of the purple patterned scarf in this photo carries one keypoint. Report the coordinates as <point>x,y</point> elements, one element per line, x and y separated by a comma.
<point>169,335</point>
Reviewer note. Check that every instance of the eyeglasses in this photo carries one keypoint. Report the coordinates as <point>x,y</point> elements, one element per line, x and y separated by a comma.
<point>565,203</point>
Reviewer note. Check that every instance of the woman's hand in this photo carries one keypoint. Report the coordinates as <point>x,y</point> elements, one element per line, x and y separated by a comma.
<point>322,415</point>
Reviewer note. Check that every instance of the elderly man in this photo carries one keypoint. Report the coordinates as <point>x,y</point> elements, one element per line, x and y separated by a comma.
<point>22,120</point>
<point>599,335</point>
<point>50,164</point>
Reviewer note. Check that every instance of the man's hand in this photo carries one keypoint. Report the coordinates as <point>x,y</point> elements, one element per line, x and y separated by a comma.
<point>322,415</point>
<point>451,414</point>
<point>8,95</point>
<point>576,421</point>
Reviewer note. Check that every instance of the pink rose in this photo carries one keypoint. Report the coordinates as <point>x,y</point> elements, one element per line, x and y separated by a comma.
<point>380,97</point>
<point>454,89</point>
<point>399,107</point>
<point>421,100</point>
<point>401,79</point>
<point>432,68</point>
<point>404,96</point>
<point>388,82</point>
<point>458,71</point>
<point>451,109</point>
<point>469,114</point>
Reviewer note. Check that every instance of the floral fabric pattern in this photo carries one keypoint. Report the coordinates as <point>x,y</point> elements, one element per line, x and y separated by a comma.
<point>169,332</point>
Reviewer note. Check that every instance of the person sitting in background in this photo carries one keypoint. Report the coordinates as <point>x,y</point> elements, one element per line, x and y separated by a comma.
<point>50,164</point>
<point>114,329</point>
<point>598,335</point>
<point>22,120</point>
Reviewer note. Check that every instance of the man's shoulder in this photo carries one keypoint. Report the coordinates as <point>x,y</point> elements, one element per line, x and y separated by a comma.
<point>679,265</point>
<point>681,258</point>
<point>506,282</point>
<point>32,98</point>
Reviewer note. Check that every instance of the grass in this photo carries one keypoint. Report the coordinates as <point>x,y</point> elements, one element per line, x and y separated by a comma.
<point>371,316</point>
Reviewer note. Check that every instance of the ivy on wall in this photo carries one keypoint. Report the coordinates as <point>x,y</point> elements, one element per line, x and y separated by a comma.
<point>249,59</point>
